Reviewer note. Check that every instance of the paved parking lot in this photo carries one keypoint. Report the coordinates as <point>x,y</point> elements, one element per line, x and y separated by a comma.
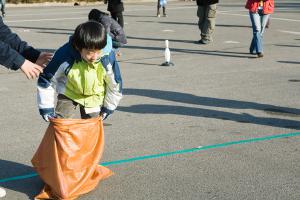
<point>220,124</point>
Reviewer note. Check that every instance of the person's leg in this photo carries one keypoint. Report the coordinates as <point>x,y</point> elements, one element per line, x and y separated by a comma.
<point>164,11</point>
<point>65,107</point>
<point>114,15</point>
<point>209,23</point>
<point>252,47</point>
<point>200,14</point>
<point>256,28</point>
<point>120,19</point>
<point>264,22</point>
<point>158,8</point>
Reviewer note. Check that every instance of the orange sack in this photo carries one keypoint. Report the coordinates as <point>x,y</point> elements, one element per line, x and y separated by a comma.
<point>68,156</point>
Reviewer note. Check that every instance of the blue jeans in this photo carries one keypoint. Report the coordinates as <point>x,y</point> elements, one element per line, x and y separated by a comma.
<point>259,21</point>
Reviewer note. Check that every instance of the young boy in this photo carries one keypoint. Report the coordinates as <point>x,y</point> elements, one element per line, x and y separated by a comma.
<point>85,77</point>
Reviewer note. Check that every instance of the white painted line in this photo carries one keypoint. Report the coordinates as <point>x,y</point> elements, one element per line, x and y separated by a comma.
<point>168,30</point>
<point>48,13</point>
<point>290,32</point>
<point>231,42</point>
<point>39,20</point>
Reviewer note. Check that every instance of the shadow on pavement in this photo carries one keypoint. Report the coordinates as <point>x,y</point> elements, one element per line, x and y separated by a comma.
<point>159,39</point>
<point>204,52</point>
<point>289,62</point>
<point>209,113</point>
<point>286,45</point>
<point>29,186</point>
<point>195,24</point>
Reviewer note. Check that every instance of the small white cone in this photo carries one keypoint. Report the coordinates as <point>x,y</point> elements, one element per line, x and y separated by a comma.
<point>167,52</point>
<point>2,192</point>
<point>167,56</point>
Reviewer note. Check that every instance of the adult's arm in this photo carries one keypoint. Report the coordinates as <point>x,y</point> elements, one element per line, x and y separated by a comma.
<point>14,51</point>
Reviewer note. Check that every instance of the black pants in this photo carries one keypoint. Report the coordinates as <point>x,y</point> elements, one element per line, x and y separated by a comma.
<point>118,16</point>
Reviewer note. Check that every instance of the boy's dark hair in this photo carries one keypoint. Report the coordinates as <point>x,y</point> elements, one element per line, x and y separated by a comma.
<point>96,15</point>
<point>89,35</point>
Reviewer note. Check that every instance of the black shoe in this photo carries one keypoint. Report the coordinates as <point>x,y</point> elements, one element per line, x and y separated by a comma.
<point>203,41</point>
<point>260,55</point>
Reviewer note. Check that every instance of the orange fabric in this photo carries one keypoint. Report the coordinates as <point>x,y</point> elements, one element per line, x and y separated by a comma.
<point>68,156</point>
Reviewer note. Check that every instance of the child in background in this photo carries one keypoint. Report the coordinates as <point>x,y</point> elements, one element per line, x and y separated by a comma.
<point>112,28</point>
<point>163,4</point>
<point>86,76</point>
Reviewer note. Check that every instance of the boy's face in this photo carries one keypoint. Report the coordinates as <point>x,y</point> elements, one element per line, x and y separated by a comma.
<point>90,55</point>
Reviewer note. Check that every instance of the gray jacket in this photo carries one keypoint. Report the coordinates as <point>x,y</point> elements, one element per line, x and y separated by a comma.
<point>112,26</point>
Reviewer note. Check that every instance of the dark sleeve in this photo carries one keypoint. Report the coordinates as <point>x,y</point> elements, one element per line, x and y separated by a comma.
<point>117,32</point>
<point>13,50</point>
<point>106,21</point>
<point>63,54</point>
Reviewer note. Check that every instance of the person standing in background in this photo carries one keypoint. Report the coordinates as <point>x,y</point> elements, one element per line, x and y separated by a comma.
<point>259,11</point>
<point>163,4</point>
<point>207,10</point>
<point>116,8</point>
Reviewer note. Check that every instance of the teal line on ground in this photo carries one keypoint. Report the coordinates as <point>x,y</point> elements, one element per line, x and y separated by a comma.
<point>138,158</point>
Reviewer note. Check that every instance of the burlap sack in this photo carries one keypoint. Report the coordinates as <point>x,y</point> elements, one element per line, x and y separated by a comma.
<point>68,158</point>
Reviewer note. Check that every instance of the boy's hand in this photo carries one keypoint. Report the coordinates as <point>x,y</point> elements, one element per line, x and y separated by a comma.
<point>49,116</point>
<point>44,59</point>
<point>31,70</point>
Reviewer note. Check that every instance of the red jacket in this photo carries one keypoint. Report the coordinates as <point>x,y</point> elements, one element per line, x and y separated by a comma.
<point>268,6</point>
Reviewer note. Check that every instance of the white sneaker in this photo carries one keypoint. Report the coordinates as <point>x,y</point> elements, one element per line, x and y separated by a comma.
<point>2,192</point>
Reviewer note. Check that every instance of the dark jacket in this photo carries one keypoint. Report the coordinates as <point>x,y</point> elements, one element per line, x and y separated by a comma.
<point>112,26</point>
<point>114,5</point>
<point>13,50</point>
<point>206,2</point>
